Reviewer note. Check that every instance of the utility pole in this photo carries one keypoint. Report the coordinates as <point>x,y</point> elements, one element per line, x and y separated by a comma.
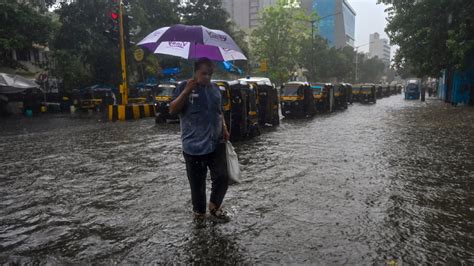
<point>123,62</point>
<point>312,48</point>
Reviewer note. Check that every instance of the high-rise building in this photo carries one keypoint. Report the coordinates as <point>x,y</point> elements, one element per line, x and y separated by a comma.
<point>245,13</point>
<point>337,21</point>
<point>379,48</point>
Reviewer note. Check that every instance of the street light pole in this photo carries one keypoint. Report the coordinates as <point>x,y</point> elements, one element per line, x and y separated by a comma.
<point>312,47</point>
<point>123,62</point>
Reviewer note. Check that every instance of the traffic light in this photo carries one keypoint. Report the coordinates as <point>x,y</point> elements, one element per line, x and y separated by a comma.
<point>126,30</point>
<point>113,25</point>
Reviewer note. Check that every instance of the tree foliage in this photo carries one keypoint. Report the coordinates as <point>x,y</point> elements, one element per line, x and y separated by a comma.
<point>279,39</point>
<point>21,28</point>
<point>432,35</point>
<point>81,38</point>
<point>284,39</point>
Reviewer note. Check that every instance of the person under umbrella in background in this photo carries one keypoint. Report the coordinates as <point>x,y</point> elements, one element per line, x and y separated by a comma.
<point>203,135</point>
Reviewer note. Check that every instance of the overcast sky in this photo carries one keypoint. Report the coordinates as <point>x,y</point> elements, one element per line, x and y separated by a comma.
<point>370,18</point>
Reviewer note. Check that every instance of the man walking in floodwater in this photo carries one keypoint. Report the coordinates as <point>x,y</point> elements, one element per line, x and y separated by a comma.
<point>203,134</point>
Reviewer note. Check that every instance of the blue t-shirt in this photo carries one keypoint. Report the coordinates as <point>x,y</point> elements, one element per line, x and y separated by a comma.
<point>200,119</point>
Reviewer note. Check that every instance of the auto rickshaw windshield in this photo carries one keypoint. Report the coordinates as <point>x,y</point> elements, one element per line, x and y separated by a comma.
<point>412,87</point>
<point>164,91</point>
<point>316,90</point>
<point>290,91</point>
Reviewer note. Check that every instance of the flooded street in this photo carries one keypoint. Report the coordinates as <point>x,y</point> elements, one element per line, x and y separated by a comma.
<point>383,183</point>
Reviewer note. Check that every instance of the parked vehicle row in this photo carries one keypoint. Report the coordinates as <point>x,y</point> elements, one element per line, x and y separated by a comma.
<point>308,98</point>
<point>251,103</point>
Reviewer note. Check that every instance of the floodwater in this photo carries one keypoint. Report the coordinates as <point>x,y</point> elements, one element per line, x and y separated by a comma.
<point>386,183</point>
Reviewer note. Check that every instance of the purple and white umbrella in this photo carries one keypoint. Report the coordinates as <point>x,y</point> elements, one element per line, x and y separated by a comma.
<point>193,42</point>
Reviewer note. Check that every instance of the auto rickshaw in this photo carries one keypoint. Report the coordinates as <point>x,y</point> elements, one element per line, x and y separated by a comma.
<point>226,100</point>
<point>349,90</point>
<point>267,100</point>
<point>139,95</point>
<point>412,91</point>
<point>379,92</point>
<point>367,93</point>
<point>162,94</point>
<point>95,98</point>
<point>391,89</point>
<point>341,96</point>
<point>385,90</point>
<point>239,104</point>
<point>297,99</point>
<point>323,94</point>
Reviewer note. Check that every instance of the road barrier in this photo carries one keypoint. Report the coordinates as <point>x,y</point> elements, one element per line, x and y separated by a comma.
<point>129,112</point>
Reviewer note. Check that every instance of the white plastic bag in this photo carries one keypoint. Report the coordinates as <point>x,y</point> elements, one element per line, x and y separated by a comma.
<point>233,168</point>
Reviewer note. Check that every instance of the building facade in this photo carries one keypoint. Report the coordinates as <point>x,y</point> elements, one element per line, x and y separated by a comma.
<point>379,48</point>
<point>246,13</point>
<point>337,21</point>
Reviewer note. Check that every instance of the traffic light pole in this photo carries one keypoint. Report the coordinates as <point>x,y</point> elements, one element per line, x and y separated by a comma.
<point>123,62</point>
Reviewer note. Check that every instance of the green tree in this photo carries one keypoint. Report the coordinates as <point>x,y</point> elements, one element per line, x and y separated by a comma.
<point>21,28</point>
<point>80,39</point>
<point>432,35</point>
<point>151,15</point>
<point>209,13</point>
<point>371,70</point>
<point>147,17</point>
<point>279,39</point>
<point>81,36</point>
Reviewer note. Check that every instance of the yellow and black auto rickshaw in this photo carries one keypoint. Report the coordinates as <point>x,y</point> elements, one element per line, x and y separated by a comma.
<point>367,93</point>
<point>385,90</point>
<point>393,89</point>
<point>341,95</point>
<point>162,94</point>
<point>239,105</point>
<point>349,92</point>
<point>267,100</point>
<point>95,98</point>
<point>379,92</point>
<point>296,99</point>
<point>139,95</point>
<point>323,94</point>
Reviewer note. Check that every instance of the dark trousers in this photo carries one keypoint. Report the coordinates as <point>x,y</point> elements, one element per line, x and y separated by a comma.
<point>196,169</point>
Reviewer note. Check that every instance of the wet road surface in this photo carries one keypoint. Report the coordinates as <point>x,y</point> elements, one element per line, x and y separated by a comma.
<point>383,183</point>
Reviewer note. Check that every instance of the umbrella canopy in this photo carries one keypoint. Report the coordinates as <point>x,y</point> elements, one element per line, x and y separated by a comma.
<point>193,42</point>
<point>14,84</point>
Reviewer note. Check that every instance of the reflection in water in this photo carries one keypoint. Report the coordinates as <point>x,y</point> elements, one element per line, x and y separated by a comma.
<point>383,183</point>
